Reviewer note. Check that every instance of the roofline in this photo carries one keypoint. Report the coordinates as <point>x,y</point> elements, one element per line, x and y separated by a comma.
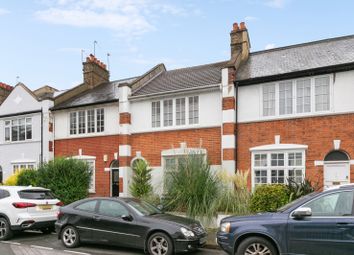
<point>83,105</point>
<point>179,91</point>
<point>297,74</point>
<point>303,44</point>
<point>20,113</point>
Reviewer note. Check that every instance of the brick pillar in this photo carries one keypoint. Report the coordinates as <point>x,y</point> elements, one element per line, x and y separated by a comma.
<point>124,155</point>
<point>228,144</point>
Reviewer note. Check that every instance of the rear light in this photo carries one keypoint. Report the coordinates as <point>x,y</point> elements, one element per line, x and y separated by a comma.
<point>59,204</point>
<point>59,215</point>
<point>22,205</point>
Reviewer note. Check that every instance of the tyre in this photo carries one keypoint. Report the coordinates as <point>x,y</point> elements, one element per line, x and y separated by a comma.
<point>5,229</point>
<point>256,245</point>
<point>160,244</point>
<point>70,237</point>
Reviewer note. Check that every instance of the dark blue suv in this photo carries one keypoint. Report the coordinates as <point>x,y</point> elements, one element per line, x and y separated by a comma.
<point>317,224</point>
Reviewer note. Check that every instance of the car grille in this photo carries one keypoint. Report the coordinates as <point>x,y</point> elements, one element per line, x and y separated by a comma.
<point>198,230</point>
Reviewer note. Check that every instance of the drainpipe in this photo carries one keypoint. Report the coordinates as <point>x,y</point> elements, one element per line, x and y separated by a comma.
<point>41,155</point>
<point>236,133</point>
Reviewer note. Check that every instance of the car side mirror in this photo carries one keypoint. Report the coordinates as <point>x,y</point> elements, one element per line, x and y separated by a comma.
<point>302,212</point>
<point>127,217</point>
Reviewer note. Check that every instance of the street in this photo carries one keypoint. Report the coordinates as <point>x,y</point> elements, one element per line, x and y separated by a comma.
<point>36,243</point>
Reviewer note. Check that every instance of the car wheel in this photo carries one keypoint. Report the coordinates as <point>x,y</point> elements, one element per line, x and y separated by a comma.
<point>256,245</point>
<point>160,244</point>
<point>5,230</point>
<point>70,237</point>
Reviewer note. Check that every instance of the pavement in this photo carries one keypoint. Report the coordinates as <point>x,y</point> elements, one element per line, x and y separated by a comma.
<point>36,243</point>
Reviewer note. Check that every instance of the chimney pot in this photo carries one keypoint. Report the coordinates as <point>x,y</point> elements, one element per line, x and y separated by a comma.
<point>243,26</point>
<point>235,27</point>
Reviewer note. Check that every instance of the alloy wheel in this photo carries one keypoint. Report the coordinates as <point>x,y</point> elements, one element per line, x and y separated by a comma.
<point>3,228</point>
<point>159,246</point>
<point>257,249</point>
<point>69,236</point>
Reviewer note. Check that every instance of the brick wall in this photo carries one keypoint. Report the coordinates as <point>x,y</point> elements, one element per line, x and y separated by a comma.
<point>92,146</point>
<point>316,132</point>
<point>151,144</point>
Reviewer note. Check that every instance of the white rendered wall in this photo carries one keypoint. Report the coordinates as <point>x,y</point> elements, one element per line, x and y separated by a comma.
<point>209,113</point>
<point>249,101</point>
<point>111,124</point>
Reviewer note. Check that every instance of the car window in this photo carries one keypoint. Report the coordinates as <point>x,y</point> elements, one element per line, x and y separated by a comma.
<point>335,204</point>
<point>36,194</point>
<point>4,194</point>
<point>112,209</point>
<point>88,206</point>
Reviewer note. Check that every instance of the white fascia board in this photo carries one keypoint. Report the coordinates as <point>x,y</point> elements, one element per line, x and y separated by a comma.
<point>282,146</point>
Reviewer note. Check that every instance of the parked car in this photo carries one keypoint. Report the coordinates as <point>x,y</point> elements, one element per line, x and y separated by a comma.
<point>127,222</point>
<point>23,208</point>
<point>317,224</point>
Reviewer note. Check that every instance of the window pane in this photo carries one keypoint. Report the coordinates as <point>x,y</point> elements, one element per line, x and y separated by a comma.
<point>260,177</point>
<point>155,114</point>
<point>338,204</point>
<point>15,132</point>
<point>260,160</point>
<point>112,209</point>
<point>180,111</point>
<point>193,104</point>
<point>87,206</point>
<point>91,121</point>
<point>322,93</point>
<point>7,133</point>
<point>296,175</point>
<point>277,176</point>
<point>285,97</point>
<point>100,120</point>
<point>167,112</point>
<point>303,95</point>
<point>22,130</point>
<point>28,128</point>
<point>269,100</point>
<point>73,123</point>
<point>277,159</point>
<point>82,122</point>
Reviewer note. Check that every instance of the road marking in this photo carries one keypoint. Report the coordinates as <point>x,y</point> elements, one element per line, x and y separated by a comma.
<point>8,242</point>
<point>77,252</point>
<point>41,247</point>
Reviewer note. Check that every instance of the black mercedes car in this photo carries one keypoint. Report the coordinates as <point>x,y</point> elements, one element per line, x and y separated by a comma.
<point>127,222</point>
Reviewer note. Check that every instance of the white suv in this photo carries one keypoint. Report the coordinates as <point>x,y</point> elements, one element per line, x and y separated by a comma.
<point>23,208</point>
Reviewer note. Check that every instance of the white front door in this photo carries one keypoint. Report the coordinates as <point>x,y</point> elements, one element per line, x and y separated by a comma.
<point>336,174</point>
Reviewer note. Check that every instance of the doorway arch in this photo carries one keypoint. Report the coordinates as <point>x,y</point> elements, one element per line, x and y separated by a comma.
<point>114,169</point>
<point>336,170</point>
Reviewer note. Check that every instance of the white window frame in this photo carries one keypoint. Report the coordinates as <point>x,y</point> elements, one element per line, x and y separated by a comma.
<point>99,129</point>
<point>89,160</point>
<point>28,121</point>
<point>167,111</point>
<point>193,108</point>
<point>156,114</point>
<point>295,112</point>
<point>181,111</point>
<point>22,165</point>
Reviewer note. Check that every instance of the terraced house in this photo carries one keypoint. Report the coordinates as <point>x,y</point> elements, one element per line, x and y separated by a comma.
<point>281,113</point>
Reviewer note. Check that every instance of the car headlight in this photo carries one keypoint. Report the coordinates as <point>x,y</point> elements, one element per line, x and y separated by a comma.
<point>186,232</point>
<point>225,227</point>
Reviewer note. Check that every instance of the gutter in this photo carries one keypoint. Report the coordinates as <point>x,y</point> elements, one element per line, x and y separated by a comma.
<point>83,105</point>
<point>20,113</point>
<point>298,74</point>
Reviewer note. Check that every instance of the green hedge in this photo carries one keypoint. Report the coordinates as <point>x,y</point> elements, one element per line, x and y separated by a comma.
<point>268,198</point>
<point>27,177</point>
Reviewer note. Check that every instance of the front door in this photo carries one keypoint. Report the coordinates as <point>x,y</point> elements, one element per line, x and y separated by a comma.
<point>336,174</point>
<point>115,182</point>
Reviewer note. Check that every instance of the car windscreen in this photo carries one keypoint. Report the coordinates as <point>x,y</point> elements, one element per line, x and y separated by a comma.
<point>36,194</point>
<point>143,207</point>
<point>296,201</point>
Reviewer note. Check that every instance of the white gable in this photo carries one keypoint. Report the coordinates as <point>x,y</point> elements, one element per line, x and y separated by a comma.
<point>19,100</point>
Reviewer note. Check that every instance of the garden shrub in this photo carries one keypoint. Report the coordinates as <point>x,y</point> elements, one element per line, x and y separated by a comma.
<point>68,178</point>
<point>27,177</point>
<point>268,198</point>
<point>192,187</point>
<point>12,179</point>
<point>141,180</point>
<point>297,190</point>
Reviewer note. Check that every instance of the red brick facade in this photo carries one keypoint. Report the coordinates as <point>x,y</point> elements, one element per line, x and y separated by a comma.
<point>316,132</point>
<point>228,103</point>
<point>124,118</point>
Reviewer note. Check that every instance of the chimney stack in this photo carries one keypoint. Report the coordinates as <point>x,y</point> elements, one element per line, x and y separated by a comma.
<point>240,43</point>
<point>95,72</point>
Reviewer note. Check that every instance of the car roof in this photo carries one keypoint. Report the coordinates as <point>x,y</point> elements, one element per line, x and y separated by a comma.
<point>19,188</point>
<point>349,186</point>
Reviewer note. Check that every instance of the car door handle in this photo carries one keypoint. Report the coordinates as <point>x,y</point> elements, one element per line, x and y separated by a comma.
<point>96,218</point>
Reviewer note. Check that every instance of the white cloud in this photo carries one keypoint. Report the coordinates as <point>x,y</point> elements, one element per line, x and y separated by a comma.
<point>276,3</point>
<point>3,11</point>
<point>269,46</point>
<point>250,18</point>
<point>124,17</point>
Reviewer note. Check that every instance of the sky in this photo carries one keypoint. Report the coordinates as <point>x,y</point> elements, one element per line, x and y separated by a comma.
<point>42,41</point>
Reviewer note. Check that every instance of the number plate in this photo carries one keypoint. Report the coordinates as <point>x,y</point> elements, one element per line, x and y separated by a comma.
<point>45,207</point>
